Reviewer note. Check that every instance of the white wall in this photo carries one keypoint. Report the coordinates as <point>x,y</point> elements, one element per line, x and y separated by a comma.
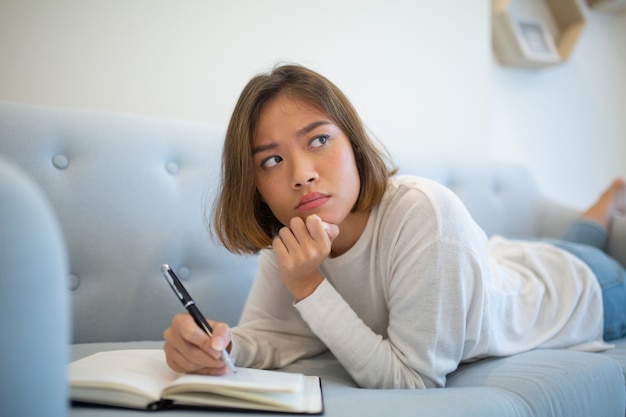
<point>420,72</point>
<point>567,122</point>
<point>410,67</point>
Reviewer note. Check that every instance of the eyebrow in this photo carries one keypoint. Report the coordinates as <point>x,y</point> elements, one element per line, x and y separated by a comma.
<point>302,132</point>
<point>310,127</point>
<point>262,148</point>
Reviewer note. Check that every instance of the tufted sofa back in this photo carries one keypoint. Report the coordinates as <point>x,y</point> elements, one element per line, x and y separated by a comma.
<point>502,197</point>
<point>130,194</point>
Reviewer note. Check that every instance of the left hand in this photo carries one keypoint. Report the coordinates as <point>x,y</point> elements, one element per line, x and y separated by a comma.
<point>301,248</point>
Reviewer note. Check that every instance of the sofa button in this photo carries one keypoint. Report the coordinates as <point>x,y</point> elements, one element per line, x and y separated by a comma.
<point>172,167</point>
<point>73,282</point>
<point>184,273</point>
<point>60,161</point>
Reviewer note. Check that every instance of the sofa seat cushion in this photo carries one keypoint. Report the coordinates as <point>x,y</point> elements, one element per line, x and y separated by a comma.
<point>535,383</point>
<point>551,382</point>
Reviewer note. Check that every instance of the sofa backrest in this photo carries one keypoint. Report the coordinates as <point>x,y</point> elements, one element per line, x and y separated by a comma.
<point>502,197</point>
<point>131,193</point>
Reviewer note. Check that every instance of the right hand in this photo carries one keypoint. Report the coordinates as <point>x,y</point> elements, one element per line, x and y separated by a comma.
<point>300,249</point>
<point>189,350</point>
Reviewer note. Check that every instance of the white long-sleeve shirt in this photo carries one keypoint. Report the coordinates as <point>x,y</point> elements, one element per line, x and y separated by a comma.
<point>421,291</point>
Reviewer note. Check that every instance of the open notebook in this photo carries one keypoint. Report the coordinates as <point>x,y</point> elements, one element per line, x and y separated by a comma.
<point>141,379</point>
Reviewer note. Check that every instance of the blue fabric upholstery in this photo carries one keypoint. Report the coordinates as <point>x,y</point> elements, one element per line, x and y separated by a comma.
<point>130,193</point>
<point>34,309</point>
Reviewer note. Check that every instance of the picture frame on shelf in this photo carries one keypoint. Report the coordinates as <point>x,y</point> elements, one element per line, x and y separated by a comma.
<point>535,39</point>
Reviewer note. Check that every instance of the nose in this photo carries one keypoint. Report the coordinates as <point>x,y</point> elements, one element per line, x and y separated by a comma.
<point>304,173</point>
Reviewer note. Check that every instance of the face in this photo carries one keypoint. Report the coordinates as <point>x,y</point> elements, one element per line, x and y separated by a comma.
<point>304,164</point>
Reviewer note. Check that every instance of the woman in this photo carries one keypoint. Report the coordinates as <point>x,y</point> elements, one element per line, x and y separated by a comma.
<point>391,274</point>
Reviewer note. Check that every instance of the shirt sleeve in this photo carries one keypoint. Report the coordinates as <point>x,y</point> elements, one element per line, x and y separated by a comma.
<point>432,268</point>
<point>426,332</point>
<point>271,333</point>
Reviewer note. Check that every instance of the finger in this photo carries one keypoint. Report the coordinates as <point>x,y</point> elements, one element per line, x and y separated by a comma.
<point>184,336</point>
<point>186,328</point>
<point>187,347</point>
<point>319,229</point>
<point>180,362</point>
<point>288,239</point>
<point>300,230</point>
<point>188,358</point>
<point>279,247</point>
<point>332,230</point>
<point>315,227</point>
<point>221,338</point>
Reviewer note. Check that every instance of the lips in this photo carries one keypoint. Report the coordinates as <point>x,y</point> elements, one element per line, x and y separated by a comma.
<point>311,201</point>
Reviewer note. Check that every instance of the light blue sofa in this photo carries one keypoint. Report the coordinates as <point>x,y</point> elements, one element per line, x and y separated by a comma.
<point>127,194</point>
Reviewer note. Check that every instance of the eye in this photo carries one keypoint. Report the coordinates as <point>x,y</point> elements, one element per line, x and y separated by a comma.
<point>271,161</point>
<point>318,141</point>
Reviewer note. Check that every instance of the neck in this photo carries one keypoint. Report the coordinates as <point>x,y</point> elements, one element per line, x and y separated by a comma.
<point>350,230</point>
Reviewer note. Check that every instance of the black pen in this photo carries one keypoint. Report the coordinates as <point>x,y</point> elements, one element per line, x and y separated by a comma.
<point>191,307</point>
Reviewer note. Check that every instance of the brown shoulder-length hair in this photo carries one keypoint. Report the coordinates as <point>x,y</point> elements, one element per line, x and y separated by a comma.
<point>241,220</point>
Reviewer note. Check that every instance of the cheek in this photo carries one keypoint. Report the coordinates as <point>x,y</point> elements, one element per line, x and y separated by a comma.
<point>265,183</point>
<point>265,191</point>
<point>347,161</point>
<point>271,194</point>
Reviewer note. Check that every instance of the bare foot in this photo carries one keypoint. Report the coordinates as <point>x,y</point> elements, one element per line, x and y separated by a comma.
<point>611,202</point>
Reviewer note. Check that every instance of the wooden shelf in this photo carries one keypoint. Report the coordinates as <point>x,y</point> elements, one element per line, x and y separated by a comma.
<point>618,6</point>
<point>535,34</point>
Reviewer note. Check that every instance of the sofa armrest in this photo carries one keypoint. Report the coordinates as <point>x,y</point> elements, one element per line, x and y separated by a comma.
<point>34,305</point>
<point>616,246</point>
<point>554,218</point>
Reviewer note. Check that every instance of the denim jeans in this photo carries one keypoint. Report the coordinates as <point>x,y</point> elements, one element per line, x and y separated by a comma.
<point>586,240</point>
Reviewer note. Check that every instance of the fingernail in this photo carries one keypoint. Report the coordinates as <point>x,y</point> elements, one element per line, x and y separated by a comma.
<point>217,343</point>
<point>327,226</point>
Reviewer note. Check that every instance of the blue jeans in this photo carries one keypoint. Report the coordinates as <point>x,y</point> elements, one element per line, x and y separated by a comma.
<point>586,240</point>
